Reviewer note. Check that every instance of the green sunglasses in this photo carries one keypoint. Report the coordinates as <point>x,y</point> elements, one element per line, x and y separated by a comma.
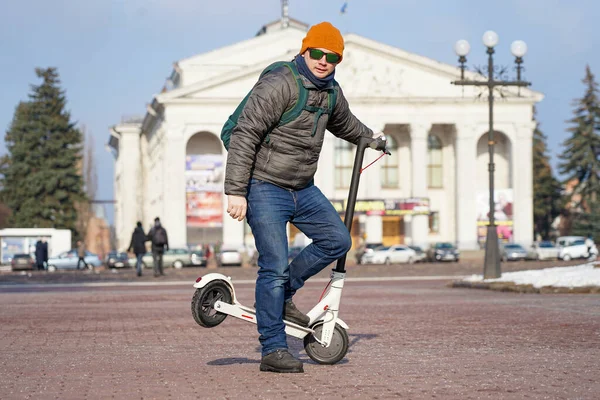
<point>331,58</point>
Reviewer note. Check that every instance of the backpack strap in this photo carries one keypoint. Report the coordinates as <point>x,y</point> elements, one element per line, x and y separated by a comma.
<point>331,99</point>
<point>294,112</point>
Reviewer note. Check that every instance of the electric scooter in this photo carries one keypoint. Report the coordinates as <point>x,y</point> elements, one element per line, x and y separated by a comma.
<point>325,339</point>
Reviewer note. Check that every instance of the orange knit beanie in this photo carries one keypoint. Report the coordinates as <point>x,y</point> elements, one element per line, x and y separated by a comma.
<point>324,36</point>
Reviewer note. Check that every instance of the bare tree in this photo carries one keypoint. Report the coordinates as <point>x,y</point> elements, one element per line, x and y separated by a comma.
<point>88,172</point>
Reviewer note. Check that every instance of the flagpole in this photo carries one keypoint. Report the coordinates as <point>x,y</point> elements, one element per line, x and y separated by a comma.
<point>343,11</point>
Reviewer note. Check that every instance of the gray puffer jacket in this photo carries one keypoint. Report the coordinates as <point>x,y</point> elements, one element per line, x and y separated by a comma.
<point>290,157</point>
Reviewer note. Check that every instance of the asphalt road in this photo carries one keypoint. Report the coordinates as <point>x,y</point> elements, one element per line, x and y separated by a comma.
<point>112,335</point>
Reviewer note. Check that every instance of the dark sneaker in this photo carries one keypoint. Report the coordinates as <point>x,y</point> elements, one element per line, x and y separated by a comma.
<point>281,361</point>
<point>292,314</point>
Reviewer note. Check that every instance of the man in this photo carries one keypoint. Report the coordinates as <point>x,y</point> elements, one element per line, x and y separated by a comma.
<point>41,254</point>
<point>160,242</point>
<point>271,183</point>
<point>138,245</point>
<point>81,254</point>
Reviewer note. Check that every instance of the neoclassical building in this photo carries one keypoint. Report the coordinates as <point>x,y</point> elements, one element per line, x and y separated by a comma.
<point>434,186</point>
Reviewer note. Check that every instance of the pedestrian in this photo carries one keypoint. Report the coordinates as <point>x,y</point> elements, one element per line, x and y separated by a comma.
<point>41,254</point>
<point>160,242</point>
<point>138,246</point>
<point>207,252</point>
<point>81,253</point>
<point>589,243</point>
<point>269,180</point>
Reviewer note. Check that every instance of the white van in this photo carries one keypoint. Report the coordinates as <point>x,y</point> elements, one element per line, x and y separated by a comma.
<point>571,247</point>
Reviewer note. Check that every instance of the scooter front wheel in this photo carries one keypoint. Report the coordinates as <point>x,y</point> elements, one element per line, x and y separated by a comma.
<point>327,355</point>
<point>203,303</point>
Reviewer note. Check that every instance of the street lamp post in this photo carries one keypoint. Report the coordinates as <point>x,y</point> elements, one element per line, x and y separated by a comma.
<point>518,48</point>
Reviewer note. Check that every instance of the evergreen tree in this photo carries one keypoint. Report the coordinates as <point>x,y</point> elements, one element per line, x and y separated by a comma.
<point>587,222</point>
<point>581,163</point>
<point>546,188</point>
<point>40,178</point>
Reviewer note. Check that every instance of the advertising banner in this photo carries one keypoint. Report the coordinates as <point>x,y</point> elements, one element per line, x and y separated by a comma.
<point>503,214</point>
<point>204,190</point>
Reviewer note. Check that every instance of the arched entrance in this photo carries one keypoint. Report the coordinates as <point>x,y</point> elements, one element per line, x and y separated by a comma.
<point>503,187</point>
<point>204,174</point>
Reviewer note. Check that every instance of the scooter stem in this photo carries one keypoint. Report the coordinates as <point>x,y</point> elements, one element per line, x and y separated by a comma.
<point>363,143</point>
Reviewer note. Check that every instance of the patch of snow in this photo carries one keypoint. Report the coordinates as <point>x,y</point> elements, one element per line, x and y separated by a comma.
<point>570,277</point>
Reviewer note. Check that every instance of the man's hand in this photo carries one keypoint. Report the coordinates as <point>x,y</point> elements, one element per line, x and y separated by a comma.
<point>236,207</point>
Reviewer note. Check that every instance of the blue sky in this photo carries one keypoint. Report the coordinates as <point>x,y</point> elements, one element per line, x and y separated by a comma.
<point>114,55</point>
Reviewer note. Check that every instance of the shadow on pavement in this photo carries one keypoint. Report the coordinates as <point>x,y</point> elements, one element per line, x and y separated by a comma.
<point>232,361</point>
<point>356,337</point>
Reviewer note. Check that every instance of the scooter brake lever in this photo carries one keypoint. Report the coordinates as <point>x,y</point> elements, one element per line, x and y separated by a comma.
<point>379,143</point>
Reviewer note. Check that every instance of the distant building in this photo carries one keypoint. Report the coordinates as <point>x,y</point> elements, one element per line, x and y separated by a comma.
<point>23,240</point>
<point>97,239</point>
<point>434,187</point>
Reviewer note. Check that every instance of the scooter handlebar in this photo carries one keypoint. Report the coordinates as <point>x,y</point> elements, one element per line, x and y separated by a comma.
<point>380,143</point>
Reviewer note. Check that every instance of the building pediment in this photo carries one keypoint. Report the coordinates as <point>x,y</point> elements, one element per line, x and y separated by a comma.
<point>370,70</point>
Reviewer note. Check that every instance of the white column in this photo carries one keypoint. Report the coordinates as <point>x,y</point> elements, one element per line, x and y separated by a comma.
<point>129,154</point>
<point>522,160</point>
<point>374,229</point>
<point>173,201</point>
<point>325,176</point>
<point>419,225</point>
<point>371,189</point>
<point>370,183</point>
<point>145,186</point>
<point>466,175</point>
<point>233,230</point>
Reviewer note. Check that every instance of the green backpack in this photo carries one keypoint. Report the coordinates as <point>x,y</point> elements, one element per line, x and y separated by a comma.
<point>289,115</point>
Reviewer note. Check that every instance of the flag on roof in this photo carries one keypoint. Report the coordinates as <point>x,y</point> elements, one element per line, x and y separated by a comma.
<point>344,7</point>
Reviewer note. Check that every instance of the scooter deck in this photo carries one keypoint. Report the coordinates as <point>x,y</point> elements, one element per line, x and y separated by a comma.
<point>249,314</point>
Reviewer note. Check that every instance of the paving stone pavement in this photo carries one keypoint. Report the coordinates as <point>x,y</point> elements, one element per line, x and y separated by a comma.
<point>411,339</point>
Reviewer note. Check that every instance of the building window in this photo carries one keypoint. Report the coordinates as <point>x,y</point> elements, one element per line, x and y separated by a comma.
<point>344,158</point>
<point>389,168</point>
<point>434,162</point>
<point>434,222</point>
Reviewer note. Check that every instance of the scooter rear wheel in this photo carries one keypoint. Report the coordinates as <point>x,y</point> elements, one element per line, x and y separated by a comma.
<point>327,355</point>
<point>203,303</point>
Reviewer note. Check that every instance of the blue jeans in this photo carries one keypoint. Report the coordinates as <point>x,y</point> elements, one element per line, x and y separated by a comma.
<point>138,264</point>
<point>270,208</point>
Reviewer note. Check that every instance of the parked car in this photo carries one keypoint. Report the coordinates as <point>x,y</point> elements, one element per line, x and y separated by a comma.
<point>544,250</point>
<point>364,249</point>
<point>115,259</point>
<point>176,258</point>
<point>420,254</point>
<point>513,252</point>
<point>571,247</point>
<point>68,260</point>
<point>398,253</point>
<point>198,257</point>
<point>22,261</point>
<point>443,251</point>
<point>229,256</point>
